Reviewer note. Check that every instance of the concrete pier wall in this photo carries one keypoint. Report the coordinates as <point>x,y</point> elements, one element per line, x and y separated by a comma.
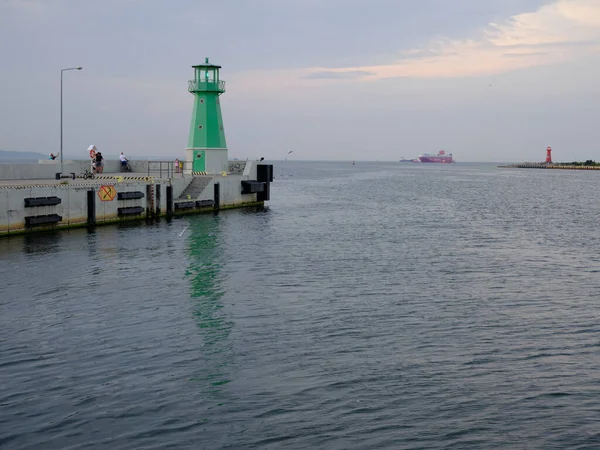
<point>34,171</point>
<point>73,195</point>
<point>179,185</point>
<point>73,206</point>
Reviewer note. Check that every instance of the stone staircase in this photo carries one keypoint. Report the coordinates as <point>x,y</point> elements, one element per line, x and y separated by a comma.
<point>195,188</point>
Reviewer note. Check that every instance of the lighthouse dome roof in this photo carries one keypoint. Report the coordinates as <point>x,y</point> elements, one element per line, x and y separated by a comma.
<point>207,64</point>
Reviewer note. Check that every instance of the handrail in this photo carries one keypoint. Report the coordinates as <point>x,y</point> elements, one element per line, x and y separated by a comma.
<point>166,169</point>
<point>206,85</point>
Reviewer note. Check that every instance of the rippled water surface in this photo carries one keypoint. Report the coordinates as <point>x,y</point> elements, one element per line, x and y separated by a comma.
<point>376,306</point>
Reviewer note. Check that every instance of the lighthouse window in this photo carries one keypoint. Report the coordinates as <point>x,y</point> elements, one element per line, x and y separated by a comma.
<point>201,100</point>
<point>221,127</point>
<point>199,127</point>
<point>217,101</point>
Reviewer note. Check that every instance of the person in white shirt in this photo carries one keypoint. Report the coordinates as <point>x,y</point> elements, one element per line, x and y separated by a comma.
<point>124,162</point>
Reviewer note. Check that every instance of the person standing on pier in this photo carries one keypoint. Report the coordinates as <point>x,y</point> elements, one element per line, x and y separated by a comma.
<point>99,163</point>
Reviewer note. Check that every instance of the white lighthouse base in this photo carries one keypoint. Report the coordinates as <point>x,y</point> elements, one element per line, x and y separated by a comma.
<point>215,160</point>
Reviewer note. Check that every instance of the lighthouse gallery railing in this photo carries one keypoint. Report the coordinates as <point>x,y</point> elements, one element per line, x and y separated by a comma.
<point>206,85</point>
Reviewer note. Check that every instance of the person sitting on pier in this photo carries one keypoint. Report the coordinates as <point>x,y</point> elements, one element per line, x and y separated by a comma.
<point>53,156</point>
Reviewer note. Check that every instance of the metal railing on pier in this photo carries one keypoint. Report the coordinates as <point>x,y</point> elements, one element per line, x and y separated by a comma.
<point>167,169</point>
<point>179,169</point>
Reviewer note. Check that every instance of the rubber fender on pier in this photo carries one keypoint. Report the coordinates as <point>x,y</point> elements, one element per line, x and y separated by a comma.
<point>130,195</point>
<point>31,221</point>
<point>169,200</point>
<point>204,203</point>
<point>264,172</point>
<point>185,205</point>
<point>130,211</point>
<point>42,201</point>
<point>264,195</point>
<point>91,207</point>
<point>157,189</point>
<point>252,186</point>
<point>217,196</point>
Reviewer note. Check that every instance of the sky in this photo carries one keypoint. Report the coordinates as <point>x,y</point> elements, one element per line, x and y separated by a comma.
<point>485,80</point>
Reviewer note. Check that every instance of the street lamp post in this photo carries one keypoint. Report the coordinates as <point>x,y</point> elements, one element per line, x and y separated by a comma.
<point>61,114</point>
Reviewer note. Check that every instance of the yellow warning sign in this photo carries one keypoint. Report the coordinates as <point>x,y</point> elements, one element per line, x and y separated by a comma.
<point>107,193</point>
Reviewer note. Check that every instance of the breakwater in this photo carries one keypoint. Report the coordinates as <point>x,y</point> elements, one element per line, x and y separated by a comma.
<point>48,195</point>
<point>548,166</point>
<point>28,206</point>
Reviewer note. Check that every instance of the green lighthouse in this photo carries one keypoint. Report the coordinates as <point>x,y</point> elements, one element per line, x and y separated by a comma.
<point>206,151</point>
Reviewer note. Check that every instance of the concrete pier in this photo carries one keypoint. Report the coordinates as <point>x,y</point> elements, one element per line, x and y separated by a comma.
<point>50,195</point>
<point>30,205</point>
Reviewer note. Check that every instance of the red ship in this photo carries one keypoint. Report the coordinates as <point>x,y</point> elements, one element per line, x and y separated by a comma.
<point>441,157</point>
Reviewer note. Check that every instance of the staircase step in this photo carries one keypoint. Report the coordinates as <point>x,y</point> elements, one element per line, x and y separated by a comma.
<point>195,188</point>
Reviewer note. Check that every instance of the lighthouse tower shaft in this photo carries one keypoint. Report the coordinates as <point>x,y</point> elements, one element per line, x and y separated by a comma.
<point>206,151</point>
<point>549,155</point>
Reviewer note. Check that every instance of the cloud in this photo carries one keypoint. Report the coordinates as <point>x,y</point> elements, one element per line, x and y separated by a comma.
<point>329,74</point>
<point>559,32</point>
<point>524,55</point>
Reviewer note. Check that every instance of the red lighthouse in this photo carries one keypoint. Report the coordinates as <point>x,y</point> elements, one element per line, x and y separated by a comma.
<point>549,155</point>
